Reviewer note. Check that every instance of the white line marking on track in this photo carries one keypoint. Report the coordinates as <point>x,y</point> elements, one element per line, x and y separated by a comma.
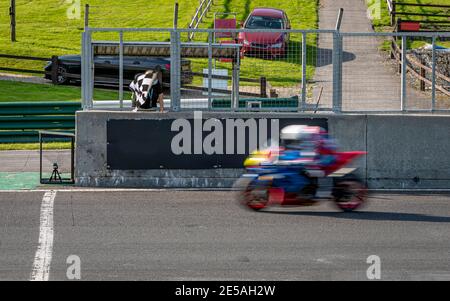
<point>43,257</point>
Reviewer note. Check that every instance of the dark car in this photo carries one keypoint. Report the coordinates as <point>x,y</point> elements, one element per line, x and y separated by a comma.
<point>271,44</point>
<point>107,69</point>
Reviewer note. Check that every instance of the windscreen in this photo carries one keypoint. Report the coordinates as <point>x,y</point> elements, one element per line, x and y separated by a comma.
<point>257,22</point>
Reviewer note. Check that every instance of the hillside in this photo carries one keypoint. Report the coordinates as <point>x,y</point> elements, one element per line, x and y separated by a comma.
<point>45,28</point>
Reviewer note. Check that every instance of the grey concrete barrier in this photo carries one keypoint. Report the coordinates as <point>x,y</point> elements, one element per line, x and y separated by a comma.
<point>404,151</point>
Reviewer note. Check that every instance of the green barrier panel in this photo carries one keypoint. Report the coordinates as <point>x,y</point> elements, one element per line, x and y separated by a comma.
<point>39,108</point>
<point>19,121</point>
<point>28,137</point>
<point>265,102</point>
<point>37,122</point>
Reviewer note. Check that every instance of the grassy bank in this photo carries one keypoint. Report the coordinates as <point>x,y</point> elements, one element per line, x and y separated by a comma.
<point>46,28</point>
<point>49,27</point>
<point>17,91</point>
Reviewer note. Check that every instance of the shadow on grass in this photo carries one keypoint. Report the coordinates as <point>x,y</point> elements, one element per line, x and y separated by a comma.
<point>315,56</point>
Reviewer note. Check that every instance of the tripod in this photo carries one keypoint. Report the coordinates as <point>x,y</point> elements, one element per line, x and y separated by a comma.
<point>55,174</point>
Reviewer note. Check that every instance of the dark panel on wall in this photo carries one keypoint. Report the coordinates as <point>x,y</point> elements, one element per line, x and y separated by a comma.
<point>157,144</point>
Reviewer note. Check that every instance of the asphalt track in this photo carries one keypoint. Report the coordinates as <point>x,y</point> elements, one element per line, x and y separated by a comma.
<point>194,235</point>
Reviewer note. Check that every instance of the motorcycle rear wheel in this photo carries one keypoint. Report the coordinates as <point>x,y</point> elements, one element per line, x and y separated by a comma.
<point>349,193</point>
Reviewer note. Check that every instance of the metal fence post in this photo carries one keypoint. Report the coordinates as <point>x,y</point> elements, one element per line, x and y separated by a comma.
<point>209,69</point>
<point>84,71</point>
<point>423,73</point>
<point>304,65</point>
<point>175,78</point>
<point>263,86</point>
<point>91,70</point>
<point>121,69</point>
<point>175,16</point>
<point>403,80</point>
<point>235,82</point>
<point>339,19</point>
<point>341,70</point>
<point>337,71</point>
<point>86,16</point>
<point>55,67</point>
<point>12,14</point>
<point>87,65</point>
<point>87,70</point>
<point>393,13</point>
<point>433,76</point>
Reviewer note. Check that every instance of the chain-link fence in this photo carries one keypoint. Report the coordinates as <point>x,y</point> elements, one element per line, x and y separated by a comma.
<point>396,72</point>
<point>280,70</point>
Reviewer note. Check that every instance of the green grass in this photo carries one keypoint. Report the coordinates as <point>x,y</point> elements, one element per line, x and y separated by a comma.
<point>44,29</point>
<point>16,91</point>
<point>383,24</point>
<point>34,146</point>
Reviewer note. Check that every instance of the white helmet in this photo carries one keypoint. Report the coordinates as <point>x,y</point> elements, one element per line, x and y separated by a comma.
<point>299,136</point>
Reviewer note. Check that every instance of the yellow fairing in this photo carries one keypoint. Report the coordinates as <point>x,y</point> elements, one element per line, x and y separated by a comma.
<point>256,158</point>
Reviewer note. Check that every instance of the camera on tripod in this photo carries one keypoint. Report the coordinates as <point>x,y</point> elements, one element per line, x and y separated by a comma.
<point>56,176</point>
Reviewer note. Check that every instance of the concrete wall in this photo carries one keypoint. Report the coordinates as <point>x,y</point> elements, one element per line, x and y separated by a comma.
<point>404,151</point>
<point>408,151</point>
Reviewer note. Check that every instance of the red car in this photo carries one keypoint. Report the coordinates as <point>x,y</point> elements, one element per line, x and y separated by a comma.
<point>272,44</point>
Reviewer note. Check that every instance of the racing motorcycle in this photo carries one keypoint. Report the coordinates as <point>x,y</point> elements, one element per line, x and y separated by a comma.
<point>269,182</point>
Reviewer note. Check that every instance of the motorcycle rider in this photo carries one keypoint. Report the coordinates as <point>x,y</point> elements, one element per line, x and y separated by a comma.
<point>289,174</point>
<point>309,147</point>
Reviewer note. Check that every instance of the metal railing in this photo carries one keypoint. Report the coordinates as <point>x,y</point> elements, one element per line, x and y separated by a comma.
<point>201,11</point>
<point>440,18</point>
<point>304,70</point>
<point>416,63</point>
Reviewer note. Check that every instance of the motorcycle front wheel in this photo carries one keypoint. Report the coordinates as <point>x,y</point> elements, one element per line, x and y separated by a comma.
<point>349,193</point>
<point>250,196</point>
